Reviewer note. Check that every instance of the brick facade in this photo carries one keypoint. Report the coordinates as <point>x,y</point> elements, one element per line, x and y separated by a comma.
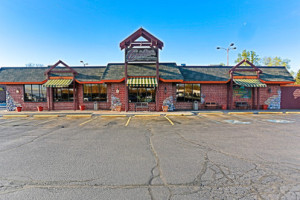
<point>2,93</point>
<point>210,93</point>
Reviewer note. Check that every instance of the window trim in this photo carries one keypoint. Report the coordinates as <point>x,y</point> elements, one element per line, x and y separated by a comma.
<point>184,99</point>
<point>24,92</point>
<point>99,89</point>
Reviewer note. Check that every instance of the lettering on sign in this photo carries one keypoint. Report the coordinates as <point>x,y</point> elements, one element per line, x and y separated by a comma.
<point>296,93</point>
<point>141,55</point>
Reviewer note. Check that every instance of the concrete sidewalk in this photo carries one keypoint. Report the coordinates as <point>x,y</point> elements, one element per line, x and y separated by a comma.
<point>64,113</point>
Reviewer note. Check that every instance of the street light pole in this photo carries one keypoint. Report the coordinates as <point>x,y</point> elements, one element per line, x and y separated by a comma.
<point>231,46</point>
<point>84,64</point>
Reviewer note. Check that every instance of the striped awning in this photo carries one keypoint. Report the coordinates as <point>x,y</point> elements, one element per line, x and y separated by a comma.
<point>249,82</point>
<point>58,83</point>
<point>142,82</point>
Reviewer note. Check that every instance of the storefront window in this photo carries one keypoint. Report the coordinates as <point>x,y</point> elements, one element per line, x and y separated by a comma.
<point>188,92</point>
<point>95,92</point>
<point>141,94</point>
<point>63,94</point>
<point>35,93</point>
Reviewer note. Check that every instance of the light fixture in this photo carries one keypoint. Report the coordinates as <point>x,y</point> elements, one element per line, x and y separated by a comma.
<point>165,90</point>
<point>117,91</point>
<point>17,91</point>
<point>269,90</point>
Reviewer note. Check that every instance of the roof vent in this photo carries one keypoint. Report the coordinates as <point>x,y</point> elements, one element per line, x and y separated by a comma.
<point>183,64</point>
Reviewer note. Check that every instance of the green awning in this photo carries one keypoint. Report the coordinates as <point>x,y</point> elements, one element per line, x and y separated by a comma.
<point>58,83</point>
<point>142,82</point>
<point>249,82</point>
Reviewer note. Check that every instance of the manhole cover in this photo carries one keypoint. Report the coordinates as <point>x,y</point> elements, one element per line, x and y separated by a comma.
<point>280,121</point>
<point>236,122</point>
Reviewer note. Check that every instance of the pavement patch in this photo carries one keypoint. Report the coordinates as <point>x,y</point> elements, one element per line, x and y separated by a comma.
<point>236,122</point>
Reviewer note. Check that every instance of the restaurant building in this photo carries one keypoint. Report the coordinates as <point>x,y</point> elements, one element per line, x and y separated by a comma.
<point>144,83</point>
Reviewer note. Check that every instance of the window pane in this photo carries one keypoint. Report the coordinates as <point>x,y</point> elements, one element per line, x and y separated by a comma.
<point>27,93</point>
<point>43,93</point>
<point>103,92</point>
<point>35,93</point>
<point>188,93</point>
<point>87,95</point>
<point>150,95</point>
<point>132,94</point>
<point>142,93</point>
<point>57,94</point>
<point>95,92</point>
<point>180,92</point>
<point>196,92</point>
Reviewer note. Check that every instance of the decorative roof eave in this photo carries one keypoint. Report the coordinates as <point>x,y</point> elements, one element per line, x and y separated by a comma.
<point>23,83</point>
<point>207,82</point>
<point>240,63</point>
<point>70,70</point>
<point>114,81</point>
<point>277,82</point>
<point>141,33</point>
<point>170,80</point>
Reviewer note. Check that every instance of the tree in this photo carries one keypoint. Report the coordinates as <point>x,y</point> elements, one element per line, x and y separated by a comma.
<point>276,61</point>
<point>298,78</point>
<point>249,55</point>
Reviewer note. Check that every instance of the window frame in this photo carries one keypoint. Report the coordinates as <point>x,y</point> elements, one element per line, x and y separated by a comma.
<point>138,92</point>
<point>91,94</point>
<point>61,94</point>
<point>31,93</point>
<point>192,98</point>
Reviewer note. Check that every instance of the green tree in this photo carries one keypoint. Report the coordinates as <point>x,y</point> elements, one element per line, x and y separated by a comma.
<point>250,56</point>
<point>298,78</point>
<point>276,61</point>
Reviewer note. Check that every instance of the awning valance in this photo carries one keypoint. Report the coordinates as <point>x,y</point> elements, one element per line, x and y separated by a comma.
<point>249,82</point>
<point>142,82</point>
<point>58,83</point>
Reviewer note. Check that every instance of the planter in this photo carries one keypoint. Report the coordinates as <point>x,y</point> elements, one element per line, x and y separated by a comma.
<point>18,109</point>
<point>82,107</point>
<point>40,108</point>
<point>118,108</point>
<point>224,107</point>
<point>165,108</point>
<point>265,107</point>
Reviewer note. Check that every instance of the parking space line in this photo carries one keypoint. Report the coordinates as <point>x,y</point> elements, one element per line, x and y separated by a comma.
<point>169,120</point>
<point>128,121</point>
<point>44,122</point>
<point>83,123</point>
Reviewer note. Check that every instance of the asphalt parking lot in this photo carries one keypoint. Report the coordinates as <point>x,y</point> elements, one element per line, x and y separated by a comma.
<point>207,156</point>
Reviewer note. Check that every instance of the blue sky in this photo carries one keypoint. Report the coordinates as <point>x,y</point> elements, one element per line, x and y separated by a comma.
<point>44,31</point>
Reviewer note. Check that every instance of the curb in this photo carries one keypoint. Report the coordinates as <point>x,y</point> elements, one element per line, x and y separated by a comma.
<point>113,115</point>
<point>44,116</point>
<point>240,113</point>
<point>292,112</point>
<point>155,115</point>
<point>179,114</point>
<point>211,113</point>
<point>78,116</point>
<point>270,112</point>
<point>12,116</point>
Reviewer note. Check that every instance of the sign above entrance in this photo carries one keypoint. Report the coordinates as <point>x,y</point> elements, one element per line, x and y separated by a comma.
<point>141,55</point>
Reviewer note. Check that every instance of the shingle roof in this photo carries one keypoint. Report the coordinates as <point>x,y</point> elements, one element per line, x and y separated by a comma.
<point>221,73</point>
<point>167,71</point>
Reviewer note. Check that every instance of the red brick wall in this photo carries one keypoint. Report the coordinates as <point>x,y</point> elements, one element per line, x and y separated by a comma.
<point>90,104</point>
<point>121,95</point>
<point>211,92</point>
<point>265,94</point>
<point>290,97</point>
<point>19,98</point>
